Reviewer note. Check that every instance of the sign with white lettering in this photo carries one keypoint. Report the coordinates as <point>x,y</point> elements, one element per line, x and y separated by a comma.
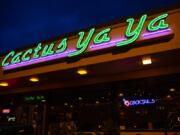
<point>138,102</point>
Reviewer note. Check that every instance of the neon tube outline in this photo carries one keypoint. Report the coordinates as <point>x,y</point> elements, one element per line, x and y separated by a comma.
<point>147,35</point>
<point>157,33</point>
<point>106,45</point>
<point>138,102</point>
<point>39,60</point>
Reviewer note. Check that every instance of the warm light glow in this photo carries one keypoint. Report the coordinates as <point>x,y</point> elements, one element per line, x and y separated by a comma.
<point>34,79</point>
<point>121,94</point>
<point>97,102</point>
<point>146,60</point>
<point>172,89</point>
<point>4,84</point>
<point>178,118</point>
<point>6,111</point>
<point>82,71</point>
<point>43,100</point>
<point>80,98</point>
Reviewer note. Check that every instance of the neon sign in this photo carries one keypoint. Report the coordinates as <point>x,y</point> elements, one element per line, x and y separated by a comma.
<point>88,42</point>
<point>34,98</point>
<point>138,102</point>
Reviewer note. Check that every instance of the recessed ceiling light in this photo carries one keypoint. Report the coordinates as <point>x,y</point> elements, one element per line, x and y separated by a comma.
<point>4,84</point>
<point>172,89</point>
<point>146,60</point>
<point>97,102</point>
<point>80,98</point>
<point>34,79</point>
<point>43,100</point>
<point>121,94</point>
<point>168,96</point>
<point>82,71</point>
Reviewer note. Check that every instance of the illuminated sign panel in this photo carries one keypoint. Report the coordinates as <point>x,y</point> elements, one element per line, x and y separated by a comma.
<point>34,98</point>
<point>138,102</point>
<point>90,41</point>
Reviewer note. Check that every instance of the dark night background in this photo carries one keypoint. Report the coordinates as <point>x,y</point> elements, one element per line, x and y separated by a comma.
<point>24,22</point>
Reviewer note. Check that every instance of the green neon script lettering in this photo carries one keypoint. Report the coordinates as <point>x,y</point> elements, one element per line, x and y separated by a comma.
<point>82,45</point>
<point>25,56</point>
<point>48,50</point>
<point>102,36</point>
<point>158,23</point>
<point>62,46</point>
<point>5,60</point>
<point>133,35</point>
<point>37,50</point>
<point>16,58</point>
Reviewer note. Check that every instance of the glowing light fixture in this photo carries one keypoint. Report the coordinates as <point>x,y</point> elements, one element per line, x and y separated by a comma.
<point>97,102</point>
<point>146,60</point>
<point>178,118</point>
<point>6,111</point>
<point>121,94</point>
<point>34,79</point>
<point>43,100</point>
<point>4,84</point>
<point>80,98</point>
<point>172,90</point>
<point>82,71</point>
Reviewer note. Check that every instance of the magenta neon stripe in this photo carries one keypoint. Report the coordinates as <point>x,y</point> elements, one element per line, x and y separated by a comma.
<point>105,45</point>
<point>35,61</point>
<point>148,35</point>
<point>110,44</point>
<point>157,33</point>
